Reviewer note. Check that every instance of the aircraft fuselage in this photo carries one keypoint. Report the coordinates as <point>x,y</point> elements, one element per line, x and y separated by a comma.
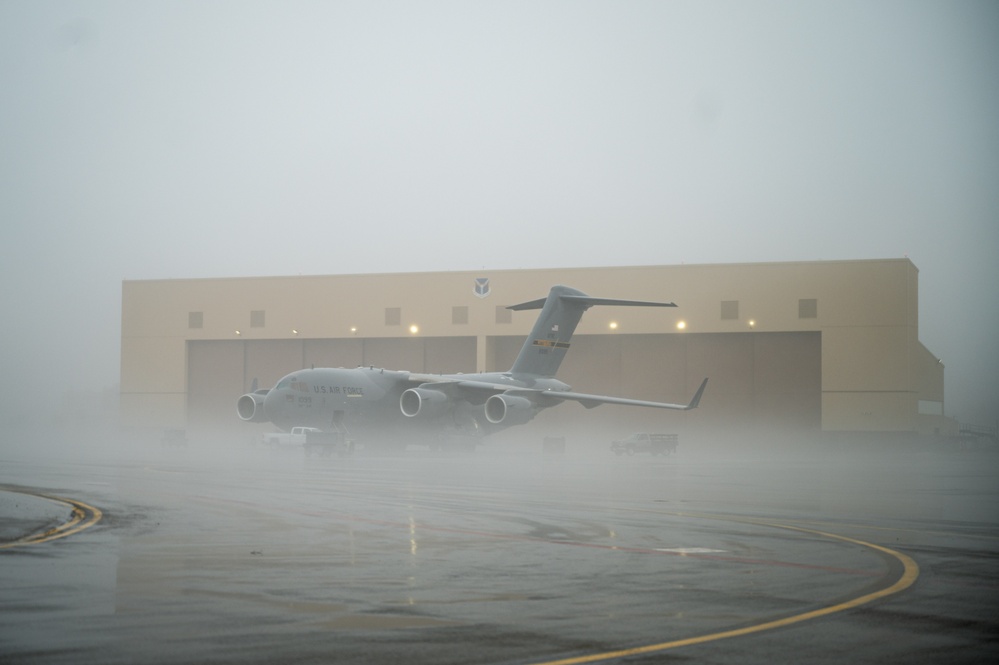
<point>371,397</point>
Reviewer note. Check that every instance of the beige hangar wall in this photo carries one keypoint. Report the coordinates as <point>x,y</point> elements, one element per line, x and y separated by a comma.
<point>829,345</point>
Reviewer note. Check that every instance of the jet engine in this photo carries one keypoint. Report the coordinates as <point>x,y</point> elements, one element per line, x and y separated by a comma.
<point>250,407</point>
<point>423,402</point>
<point>508,410</point>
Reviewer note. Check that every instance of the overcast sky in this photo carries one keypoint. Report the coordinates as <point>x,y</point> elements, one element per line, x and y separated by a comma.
<point>145,140</point>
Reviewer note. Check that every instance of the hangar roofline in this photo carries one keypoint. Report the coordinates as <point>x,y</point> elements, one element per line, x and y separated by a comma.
<point>496,271</point>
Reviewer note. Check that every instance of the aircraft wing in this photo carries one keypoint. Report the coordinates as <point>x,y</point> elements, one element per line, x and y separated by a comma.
<point>590,401</point>
<point>462,383</point>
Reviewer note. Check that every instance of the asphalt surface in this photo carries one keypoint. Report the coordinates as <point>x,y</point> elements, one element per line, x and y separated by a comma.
<point>237,555</point>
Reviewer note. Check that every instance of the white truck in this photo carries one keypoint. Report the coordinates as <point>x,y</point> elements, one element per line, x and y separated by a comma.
<point>645,442</point>
<point>312,440</point>
<point>295,438</point>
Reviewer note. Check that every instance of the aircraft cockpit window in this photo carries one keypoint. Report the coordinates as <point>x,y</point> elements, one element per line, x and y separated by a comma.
<point>284,383</point>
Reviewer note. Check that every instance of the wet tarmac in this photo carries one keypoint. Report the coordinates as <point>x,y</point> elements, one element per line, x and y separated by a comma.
<point>239,555</point>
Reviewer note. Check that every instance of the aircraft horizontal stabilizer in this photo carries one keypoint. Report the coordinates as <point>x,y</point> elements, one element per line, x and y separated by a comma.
<point>588,301</point>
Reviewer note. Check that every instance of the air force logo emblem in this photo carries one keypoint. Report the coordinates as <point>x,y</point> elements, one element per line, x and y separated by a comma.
<point>481,287</point>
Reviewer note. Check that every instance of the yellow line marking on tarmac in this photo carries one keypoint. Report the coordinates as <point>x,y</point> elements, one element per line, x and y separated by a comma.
<point>83,517</point>
<point>904,529</point>
<point>910,571</point>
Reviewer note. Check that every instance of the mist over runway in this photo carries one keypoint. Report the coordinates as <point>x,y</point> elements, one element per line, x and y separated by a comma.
<point>237,554</point>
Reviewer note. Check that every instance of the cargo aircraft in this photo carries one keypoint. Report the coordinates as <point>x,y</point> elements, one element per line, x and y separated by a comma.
<point>370,401</point>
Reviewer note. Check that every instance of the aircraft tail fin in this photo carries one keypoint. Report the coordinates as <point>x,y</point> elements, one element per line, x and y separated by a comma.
<point>561,311</point>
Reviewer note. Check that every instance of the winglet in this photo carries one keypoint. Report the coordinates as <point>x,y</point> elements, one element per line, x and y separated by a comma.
<point>697,396</point>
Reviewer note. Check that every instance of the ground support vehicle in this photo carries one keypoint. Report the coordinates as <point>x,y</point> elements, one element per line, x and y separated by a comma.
<point>174,438</point>
<point>325,444</point>
<point>294,438</point>
<point>646,442</point>
<point>313,440</point>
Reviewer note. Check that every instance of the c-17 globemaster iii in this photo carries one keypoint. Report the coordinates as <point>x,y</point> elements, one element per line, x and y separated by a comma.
<point>371,401</point>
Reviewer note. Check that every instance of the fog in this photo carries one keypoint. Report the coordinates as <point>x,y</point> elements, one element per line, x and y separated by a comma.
<point>202,139</point>
<point>226,551</point>
<point>183,139</point>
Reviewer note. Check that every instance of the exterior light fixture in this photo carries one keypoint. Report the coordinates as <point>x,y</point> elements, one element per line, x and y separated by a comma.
<point>353,330</point>
<point>238,333</point>
<point>414,329</point>
<point>681,325</point>
<point>294,331</point>
<point>613,325</point>
<point>752,323</point>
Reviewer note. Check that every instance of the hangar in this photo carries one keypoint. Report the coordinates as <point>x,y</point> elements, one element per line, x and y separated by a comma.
<point>827,346</point>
